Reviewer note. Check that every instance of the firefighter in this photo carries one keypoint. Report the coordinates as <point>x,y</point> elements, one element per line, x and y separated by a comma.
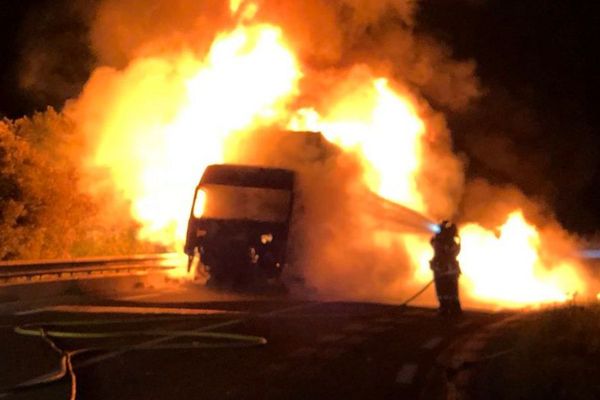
<point>445,267</point>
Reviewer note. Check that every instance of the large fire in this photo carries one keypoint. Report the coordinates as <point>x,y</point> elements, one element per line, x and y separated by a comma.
<point>180,112</point>
<point>383,129</point>
<point>508,266</point>
<point>243,82</point>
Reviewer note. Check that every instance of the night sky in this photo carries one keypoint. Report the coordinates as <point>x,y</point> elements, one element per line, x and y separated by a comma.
<point>536,126</point>
<point>538,63</point>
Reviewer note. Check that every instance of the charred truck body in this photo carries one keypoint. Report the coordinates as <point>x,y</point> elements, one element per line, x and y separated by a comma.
<point>239,224</point>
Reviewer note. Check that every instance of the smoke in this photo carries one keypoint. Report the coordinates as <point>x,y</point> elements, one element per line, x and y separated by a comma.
<point>325,34</point>
<point>349,242</point>
<point>356,249</point>
<point>50,33</point>
<point>339,43</point>
<point>124,30</point>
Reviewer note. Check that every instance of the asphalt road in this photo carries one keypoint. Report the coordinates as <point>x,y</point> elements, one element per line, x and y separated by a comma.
<point>313,350</point>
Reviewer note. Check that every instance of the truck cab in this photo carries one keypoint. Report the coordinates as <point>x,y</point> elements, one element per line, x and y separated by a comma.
<point>239,224</point>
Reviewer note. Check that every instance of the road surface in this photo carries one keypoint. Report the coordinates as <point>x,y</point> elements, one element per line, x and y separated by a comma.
<point>313,350</point>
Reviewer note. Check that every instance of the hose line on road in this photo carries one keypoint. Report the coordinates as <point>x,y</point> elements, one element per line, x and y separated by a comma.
<point>47,331</point>
<point>414,296</point>
<point>42,330</point>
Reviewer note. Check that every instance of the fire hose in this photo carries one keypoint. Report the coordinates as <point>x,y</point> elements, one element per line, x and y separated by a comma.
<point>66,361</point>
<point>414,296</point>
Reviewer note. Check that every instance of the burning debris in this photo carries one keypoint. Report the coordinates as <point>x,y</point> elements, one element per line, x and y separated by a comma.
<point>219,81</point>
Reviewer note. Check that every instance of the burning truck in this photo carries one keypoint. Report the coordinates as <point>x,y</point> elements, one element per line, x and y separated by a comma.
<point>239,224</point>
<point>162,118</point>
<point>247,220</point>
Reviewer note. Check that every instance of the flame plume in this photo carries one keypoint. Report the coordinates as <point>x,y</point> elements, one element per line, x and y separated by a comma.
<point>508,268</point>
<point>383,130</point>
<point>157,124</point>
<point>171,118</point>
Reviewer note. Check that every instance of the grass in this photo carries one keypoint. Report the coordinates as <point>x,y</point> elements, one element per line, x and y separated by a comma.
<point>554,354</point>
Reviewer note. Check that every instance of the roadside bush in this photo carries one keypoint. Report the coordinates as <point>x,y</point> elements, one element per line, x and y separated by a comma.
<point>44,210</point>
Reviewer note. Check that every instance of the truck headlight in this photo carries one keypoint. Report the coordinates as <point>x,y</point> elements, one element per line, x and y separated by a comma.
<point>266,238</point>
<point>199,203</point>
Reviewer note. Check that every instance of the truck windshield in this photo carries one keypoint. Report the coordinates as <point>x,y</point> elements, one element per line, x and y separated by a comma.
<point>238,202</point>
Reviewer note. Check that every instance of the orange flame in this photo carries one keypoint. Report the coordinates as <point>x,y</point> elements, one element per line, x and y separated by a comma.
<point>383,129</point>
<point>244,82</point>
<point>508,269</point>
<point>179,114</point>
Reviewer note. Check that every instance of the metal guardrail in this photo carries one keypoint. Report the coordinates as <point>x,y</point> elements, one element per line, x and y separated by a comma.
<point>30,271</point>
